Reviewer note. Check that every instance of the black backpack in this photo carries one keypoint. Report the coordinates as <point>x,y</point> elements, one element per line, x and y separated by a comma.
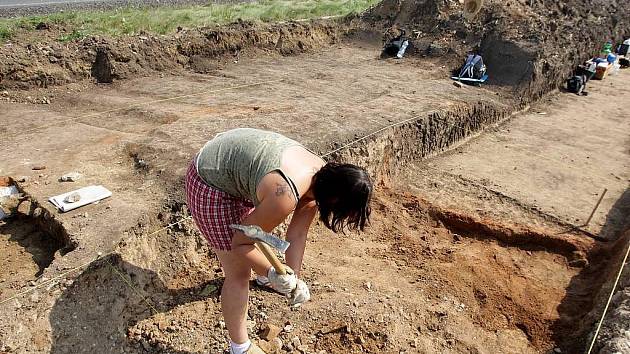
<point>576,84</point>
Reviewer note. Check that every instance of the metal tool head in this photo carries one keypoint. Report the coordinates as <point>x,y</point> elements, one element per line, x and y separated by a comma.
<point>255,232</point>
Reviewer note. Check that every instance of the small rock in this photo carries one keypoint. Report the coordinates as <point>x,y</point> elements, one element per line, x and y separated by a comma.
<point>42,26</point>
<point>367,285</point>
<point>38,167</point>
<point>457,237</point>
<point>303,348</point>
<point>38,212</point>
<point>5,93</point>
<point>269,332</point>
<point>288,328</point>
<point>23,179</point>
<point>458,84</point>
<point>579,263</point>
<point>70,177</point>
<point>72,198</point>
<point>271,347</point>
<point>296,342</point>
<point>276,344</point>
<point>25,207</point>
<point>221,324</point>
<point>557,350</point>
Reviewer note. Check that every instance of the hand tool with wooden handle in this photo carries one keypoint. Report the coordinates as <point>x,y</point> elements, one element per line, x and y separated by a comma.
<point>262,240</point>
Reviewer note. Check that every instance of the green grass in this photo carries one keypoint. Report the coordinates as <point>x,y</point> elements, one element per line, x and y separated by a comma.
<point>5,32</point>
<point>164,20</point>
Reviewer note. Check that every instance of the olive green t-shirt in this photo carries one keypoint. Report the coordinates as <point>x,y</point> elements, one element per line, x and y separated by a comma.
<point>235,161</point>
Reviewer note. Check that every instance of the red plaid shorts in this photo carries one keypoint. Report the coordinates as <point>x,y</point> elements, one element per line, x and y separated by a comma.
<point>214,210</point>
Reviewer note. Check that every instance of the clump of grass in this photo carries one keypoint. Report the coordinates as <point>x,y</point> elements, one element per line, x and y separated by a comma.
<point>5,32</point>
<point>75,34</point>
<point>164,20</point>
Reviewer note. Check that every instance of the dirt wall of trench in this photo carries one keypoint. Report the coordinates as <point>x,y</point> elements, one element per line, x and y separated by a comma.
<point>614,336</point>
<point>529,47</point>
<point>390,150</point>
<point>39,59</point>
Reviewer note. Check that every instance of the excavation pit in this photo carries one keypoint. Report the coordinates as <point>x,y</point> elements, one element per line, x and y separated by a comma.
<point>422,278</point>
<point>439,280</point>
<point>30,241</point>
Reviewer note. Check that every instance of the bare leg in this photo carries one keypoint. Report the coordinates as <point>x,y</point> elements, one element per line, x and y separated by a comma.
<point>234,294</point>
<point>237,265</point>
<point>243,247</point>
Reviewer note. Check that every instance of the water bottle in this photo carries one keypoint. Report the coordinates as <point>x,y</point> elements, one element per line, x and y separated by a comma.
<point>402,49</point>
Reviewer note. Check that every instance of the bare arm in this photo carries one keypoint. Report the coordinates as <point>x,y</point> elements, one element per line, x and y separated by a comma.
<point>297,232</point>
<point>276,203</point>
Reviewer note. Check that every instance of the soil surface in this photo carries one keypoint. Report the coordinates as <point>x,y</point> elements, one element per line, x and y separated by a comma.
<point>556,159</point>
<point>27,251</point>
<point>464,253</point>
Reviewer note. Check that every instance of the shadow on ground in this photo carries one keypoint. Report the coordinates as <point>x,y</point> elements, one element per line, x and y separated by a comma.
<point>95,311</point>
<point>571,330</point>
<point>38,243</point>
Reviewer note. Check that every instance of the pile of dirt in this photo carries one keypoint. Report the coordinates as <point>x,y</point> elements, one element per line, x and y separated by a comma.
<point>40,59</point>
<point>529,46</point>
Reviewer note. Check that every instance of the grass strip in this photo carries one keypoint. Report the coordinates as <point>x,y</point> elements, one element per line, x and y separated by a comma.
<point>165,20</point>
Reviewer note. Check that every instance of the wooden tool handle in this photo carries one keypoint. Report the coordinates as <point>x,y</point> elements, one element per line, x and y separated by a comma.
<point>271,257</point>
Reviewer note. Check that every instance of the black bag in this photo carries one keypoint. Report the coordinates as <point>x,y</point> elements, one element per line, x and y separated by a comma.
<point>392,46</point>
<point>587,70</point>
<point>576,84</point>
<point>473,68</point>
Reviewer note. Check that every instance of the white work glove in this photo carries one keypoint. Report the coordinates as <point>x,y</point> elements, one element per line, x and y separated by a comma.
<point>300,294</point>
<point>283,284</point>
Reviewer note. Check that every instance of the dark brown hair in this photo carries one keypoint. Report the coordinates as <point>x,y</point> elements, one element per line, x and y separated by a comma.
<point>342,193</point>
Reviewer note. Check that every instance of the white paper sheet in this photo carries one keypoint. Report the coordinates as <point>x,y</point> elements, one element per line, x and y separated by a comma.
<point>88,195</point>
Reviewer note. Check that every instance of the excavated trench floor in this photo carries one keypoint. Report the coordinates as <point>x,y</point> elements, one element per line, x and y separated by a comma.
<point>424,278</point>
<point>26,250</point>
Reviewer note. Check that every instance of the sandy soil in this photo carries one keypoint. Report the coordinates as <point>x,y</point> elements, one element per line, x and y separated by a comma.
<point>450,264</point>
<point>557,159</point>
